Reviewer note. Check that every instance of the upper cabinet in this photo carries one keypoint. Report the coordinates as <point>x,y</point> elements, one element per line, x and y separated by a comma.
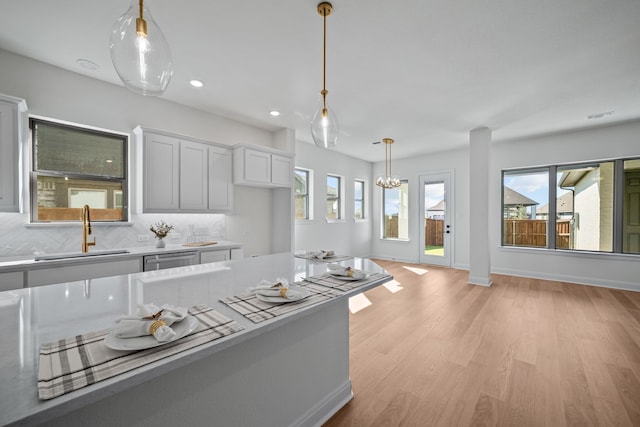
<point>13,130</point>
<point>181,174</point>
<point>261,167</point>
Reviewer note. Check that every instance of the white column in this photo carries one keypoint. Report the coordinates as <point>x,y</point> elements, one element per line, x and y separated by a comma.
<point>479,248</point>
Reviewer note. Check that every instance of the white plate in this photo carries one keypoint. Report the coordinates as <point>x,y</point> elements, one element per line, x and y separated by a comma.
<point>303,294</point>
<point>338,276</point>
<point>185,327</point>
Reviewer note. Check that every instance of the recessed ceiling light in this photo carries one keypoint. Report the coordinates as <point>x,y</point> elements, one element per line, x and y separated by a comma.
<point>196,83</point>
<point>88,65</point>
<point>274,113</point>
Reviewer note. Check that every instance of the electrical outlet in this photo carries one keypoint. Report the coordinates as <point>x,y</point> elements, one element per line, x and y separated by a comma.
<point>143,238</point>
<point>176,236</point>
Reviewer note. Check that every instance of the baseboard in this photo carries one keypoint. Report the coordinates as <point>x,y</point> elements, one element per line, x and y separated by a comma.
<point>590,281</point>
<point>480,281</point>
<point>323,410</point>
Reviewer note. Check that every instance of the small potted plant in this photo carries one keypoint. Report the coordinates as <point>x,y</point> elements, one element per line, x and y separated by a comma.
<point>161,229</point>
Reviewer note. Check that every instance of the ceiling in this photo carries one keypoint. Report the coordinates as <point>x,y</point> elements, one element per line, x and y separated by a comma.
<point>424,72</point>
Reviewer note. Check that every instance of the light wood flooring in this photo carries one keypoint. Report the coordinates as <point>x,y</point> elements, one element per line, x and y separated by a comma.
<point>523,352</point>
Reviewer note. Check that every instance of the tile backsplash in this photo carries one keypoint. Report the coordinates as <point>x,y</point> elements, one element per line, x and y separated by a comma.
<point>18,238</point>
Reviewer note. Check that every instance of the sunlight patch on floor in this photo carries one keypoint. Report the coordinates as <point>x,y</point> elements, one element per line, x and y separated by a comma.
<point>392,286</point>
<point>358,302</point>
<point>418,271</point>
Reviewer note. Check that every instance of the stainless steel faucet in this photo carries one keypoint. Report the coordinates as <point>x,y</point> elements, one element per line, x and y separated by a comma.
<point>86,229</point>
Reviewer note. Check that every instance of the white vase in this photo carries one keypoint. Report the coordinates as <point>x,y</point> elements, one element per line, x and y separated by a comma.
<point>161,243</point>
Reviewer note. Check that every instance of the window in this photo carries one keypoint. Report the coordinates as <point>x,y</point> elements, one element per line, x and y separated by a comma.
<point>358,199</point>
<point>302,199</point>
<point>524,194</point>
<point>395,202</point>
<point>631,207</point>
<point>334,202</point>
<point>591,206</point>
<point>73,167</point>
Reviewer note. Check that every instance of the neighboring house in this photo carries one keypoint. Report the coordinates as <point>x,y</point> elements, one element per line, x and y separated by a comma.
<point>592,206</point>
<point>436,211</point>
<point>564,207</point>
<point>517,205</point>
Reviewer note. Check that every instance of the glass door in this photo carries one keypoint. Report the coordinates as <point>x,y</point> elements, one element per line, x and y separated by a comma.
<point>436,227</point>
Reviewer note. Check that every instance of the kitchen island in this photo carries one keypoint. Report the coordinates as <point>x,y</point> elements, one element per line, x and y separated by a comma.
<point>288,370</point>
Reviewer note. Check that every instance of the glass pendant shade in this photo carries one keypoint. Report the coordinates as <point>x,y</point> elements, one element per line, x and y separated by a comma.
<point>140,52</point>
<point>324,127</point>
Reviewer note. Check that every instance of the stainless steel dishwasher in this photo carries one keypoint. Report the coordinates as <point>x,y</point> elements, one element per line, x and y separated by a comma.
<point>170,260</point>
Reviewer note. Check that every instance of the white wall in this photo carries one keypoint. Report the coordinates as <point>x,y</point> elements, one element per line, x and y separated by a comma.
<point>595,144</point>
<point>346,237</point>
<point>457,163</point>
<point>63,95</point>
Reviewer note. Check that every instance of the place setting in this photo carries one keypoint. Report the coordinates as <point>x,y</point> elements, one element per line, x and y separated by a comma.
<point>344,278</point>
<point>270,299</point>
<point>153,333</point>
<point>324,255</point>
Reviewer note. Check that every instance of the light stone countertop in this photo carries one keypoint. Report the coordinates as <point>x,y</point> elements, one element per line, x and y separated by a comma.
<point>29,262</point>
<point>32,316</point>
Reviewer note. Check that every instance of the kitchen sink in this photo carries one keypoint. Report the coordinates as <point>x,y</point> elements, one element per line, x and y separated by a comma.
<point>71,255</point>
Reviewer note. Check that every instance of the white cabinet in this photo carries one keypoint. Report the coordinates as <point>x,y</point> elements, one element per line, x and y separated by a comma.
<point>11,280</point>
<point>220,185</point>
<point>221,255</point>
<point>13,125</point>
<point>261,167</point>
<point>83,271</point>
<point>215,256</point>
<point>193,179</point>
<point>182,174</point>
<point>161,173</point>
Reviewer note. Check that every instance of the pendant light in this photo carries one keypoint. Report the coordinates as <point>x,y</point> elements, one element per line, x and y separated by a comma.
<point>324,125</point>
<point>388,181</point>
<point>139,51</point>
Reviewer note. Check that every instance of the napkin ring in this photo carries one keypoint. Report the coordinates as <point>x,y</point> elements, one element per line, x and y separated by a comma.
<point>156,325</point>
<point>283,292</point>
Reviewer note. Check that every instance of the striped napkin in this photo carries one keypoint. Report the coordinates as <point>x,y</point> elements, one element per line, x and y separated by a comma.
<point>258,311</point>
<point>72,363</point>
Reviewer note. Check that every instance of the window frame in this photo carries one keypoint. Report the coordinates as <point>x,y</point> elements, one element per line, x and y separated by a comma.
<point>617,206</point>
<point>35,172</point>
<point>339,198</point>
<point>308,195</point>
<point>383,214</point>
<point>363,200</point>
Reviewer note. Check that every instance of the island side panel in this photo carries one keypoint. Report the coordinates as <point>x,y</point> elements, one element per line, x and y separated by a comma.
<point>296,374</point>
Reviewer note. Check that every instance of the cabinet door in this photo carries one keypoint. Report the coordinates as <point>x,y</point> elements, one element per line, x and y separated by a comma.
<point>257,166</point>
<point>49,276</point>
<point>11,280</point>
<point>281,170</point>
<point>214,256</point>
<point>161,173</point>
<point>220,185</point>
<point>8,157</point>
<point>193,176</point>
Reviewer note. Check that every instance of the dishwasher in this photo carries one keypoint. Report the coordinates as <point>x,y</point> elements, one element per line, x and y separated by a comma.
<point>170,260</point>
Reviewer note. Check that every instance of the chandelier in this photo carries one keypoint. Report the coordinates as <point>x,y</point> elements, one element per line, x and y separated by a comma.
<point>388,181</point>
<point>324,125</point>
<point>139,51</point>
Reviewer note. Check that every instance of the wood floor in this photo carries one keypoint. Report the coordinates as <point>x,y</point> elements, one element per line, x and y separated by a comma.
<point>524,352</point>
